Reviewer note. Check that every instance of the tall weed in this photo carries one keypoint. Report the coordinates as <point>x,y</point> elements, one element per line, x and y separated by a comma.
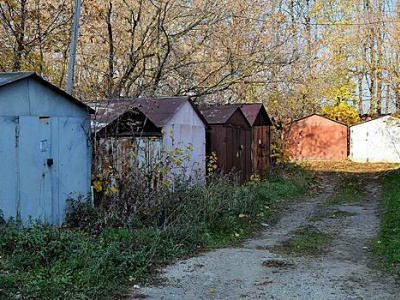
<point>100,252</point>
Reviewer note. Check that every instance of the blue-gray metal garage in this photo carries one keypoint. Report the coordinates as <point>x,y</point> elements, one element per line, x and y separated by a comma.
<point>45,152</point>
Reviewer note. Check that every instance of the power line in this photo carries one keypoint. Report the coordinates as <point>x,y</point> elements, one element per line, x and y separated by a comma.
<point>324,23</point>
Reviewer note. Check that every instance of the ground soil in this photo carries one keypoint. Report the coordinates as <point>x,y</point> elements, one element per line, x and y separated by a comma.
<point>345,269</point>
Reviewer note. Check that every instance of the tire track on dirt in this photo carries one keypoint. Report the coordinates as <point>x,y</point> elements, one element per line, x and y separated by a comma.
<point>255,271</point>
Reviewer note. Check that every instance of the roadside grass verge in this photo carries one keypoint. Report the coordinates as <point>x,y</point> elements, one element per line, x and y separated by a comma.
<point>95,255</point>
<point>387,244</point>
<point>348,191</point>
<point>308,240</point>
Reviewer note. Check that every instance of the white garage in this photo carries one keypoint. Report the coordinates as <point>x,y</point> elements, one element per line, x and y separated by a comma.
<point>376,141</point>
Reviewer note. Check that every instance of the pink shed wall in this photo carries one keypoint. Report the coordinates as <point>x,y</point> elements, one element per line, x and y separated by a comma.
<point>317,138</point>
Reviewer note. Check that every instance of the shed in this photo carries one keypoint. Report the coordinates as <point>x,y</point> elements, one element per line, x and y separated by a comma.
<point>45,151</point>
<point>161,128</point>
<point>260,122</point>
<point>121,130</point>
<point>317,138</point>
<point>230,138</point>
<point>376,141</point>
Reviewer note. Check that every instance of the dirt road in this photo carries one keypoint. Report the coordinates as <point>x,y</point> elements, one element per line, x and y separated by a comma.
<point>319,249</point>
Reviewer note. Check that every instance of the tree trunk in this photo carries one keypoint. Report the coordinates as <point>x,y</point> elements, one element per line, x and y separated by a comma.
<point>111,52</point>
<point>360,91</point>
<point>387,99</point>
<point>397,97</point>
<point>20,38</point>
<point>379,52</point>
<point>308,37</point>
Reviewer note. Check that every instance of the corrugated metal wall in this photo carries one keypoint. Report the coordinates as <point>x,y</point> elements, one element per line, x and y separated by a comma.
<point>123,154</point>
<point>316,138</point>
<point>44,156</point>
<point>41,169</point>
<point>185,131</point>
<point>261,144</point>
<point>261,154</point>
<point>232,144</point>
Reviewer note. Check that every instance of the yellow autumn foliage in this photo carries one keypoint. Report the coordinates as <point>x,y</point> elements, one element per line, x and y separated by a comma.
<point>342,112</point>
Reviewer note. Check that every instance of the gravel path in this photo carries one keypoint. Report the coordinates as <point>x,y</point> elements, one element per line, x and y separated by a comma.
<point>345,271</point>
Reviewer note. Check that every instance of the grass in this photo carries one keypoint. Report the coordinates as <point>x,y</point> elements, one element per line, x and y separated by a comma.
<point>349,191</point>
<point>337,214</point>
<point>387,244</point>
<point>96,257</point>
<point>351,167</point>
<point>308,241</point>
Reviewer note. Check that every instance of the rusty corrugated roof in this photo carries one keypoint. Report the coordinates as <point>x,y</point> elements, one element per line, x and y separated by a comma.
<point>161,109</point>
<point>107,111</point>
<point>158,110</point>
<point>219,114</point>
<point>251,111</point>
<point>120,117</point>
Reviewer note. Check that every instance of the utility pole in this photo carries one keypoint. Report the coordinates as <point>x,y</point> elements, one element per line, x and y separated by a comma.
<point>74,41</point>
